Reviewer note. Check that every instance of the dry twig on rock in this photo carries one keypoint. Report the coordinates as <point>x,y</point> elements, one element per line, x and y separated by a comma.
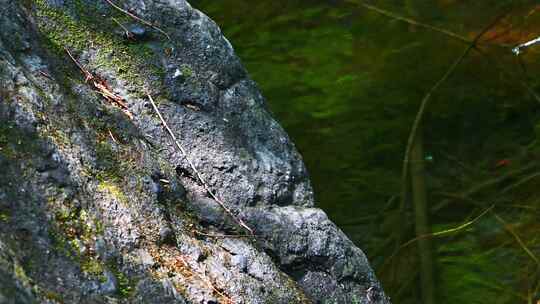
<point>197,173</point>
<point>150,24</point>
<point>101,86</point>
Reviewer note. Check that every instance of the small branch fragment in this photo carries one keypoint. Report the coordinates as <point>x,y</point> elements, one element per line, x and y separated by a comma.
<point>197,173</point>
<point>44,74</point>
<point>101,86</point>
<point>139,19</point>
<point>112,137</point>
<point>411,21</point>
<point>224,236</point>
<point>87,75</point>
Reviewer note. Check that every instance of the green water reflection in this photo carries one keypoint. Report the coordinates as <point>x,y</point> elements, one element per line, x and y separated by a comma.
<point>346,82</point>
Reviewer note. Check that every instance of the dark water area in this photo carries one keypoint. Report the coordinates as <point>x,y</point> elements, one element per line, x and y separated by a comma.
<point>346,80</point>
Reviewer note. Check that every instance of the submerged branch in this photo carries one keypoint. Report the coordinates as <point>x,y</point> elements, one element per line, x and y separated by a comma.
<point>518,239</point>
<point>420,114</point>
<point>442,233</point>
<point>411,21</point>
<point>451,230</point>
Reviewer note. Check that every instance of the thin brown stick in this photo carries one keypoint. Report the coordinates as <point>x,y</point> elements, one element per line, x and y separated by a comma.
<point>44,74</point>
<point>150,24</point>
<point>112,136</point>
<point>203,277</point>
<point>101,86</point>
<point>417,122</point>
<point>87,74</point>
<point>395,16</point>
<point>197,173</point>
<point>129,35</point>
<point>104,90</point>
<point>412,22</point>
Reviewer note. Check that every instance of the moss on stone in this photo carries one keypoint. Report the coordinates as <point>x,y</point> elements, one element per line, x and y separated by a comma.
<point>106,160</point>
<point>59,243</point>
<point>125,288</point>
<point>93,267</point>
<point>52,296</point>
<point>186,71</point>
<point>114,190</point>
<point>73,234</point>
<point>4,216</point>
<point>88,28</point>
<point>114,163</point>
<point>14,143</point>
<point>126,285</point>
<point>20,274</point>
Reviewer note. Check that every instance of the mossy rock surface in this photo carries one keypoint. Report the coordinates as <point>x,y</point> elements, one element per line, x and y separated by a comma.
<point>97,206</point>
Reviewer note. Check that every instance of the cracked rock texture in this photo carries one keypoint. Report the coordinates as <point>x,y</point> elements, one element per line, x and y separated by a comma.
<point>96,207</point>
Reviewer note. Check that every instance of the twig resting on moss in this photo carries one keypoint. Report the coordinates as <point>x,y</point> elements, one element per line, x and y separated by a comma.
<point>150,24</point>
<point>101,86</point>
<point>129,35</point>
<point>87,75</point>
<point>197,173</point>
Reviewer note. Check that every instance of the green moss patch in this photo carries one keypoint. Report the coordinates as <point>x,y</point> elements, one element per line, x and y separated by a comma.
<point>15,143</point>
<point>88,28</point>
<point>114,190</point>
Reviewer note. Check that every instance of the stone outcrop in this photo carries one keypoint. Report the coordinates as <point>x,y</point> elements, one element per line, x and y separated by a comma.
<point>98,205</point>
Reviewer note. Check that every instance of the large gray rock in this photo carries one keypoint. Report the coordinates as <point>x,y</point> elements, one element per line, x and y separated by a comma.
<point>99,208</point>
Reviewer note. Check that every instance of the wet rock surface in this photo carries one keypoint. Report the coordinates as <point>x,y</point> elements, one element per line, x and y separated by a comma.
<point>96,207</point>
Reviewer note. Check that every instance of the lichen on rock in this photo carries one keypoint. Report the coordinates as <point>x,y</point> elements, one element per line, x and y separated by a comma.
<point>96,207</point>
